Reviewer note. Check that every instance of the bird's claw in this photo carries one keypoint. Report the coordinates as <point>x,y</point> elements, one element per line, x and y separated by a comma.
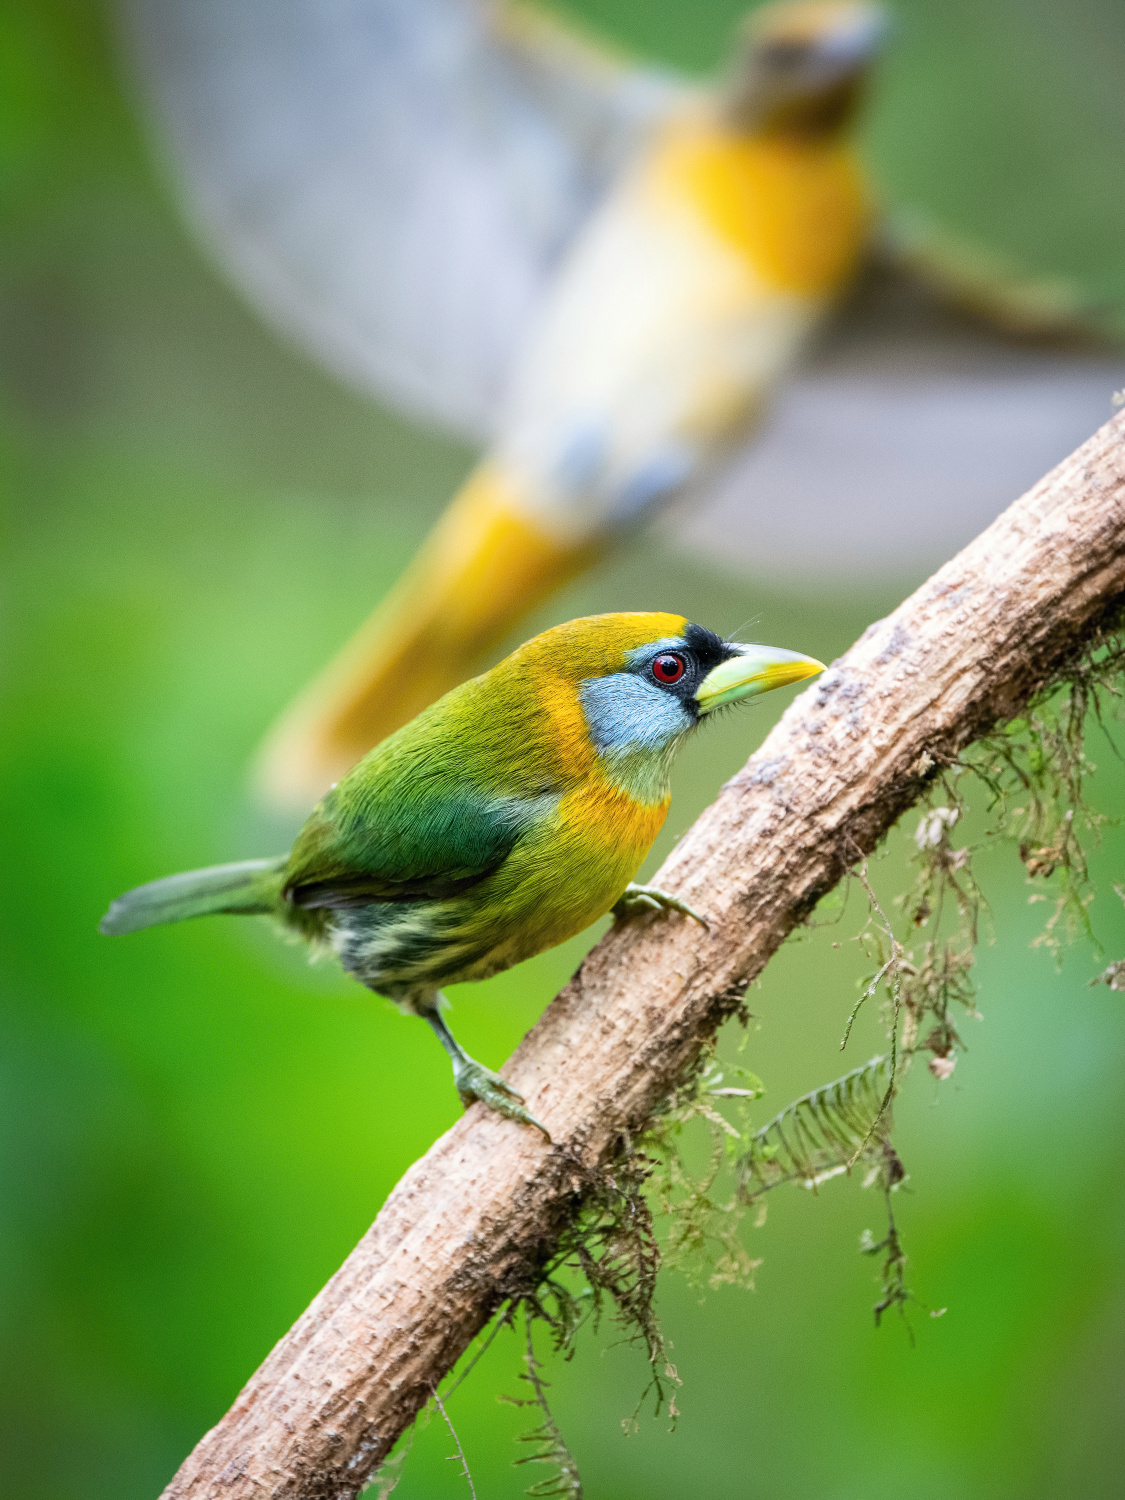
<point>639,899</point>
<point>475,1081</point>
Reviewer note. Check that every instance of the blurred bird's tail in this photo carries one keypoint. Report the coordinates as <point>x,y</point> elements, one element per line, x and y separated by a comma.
<point>251,887</point>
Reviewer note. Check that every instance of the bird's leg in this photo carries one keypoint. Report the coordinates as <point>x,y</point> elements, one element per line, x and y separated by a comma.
<point>638,899</point>
<point>473,1079</point>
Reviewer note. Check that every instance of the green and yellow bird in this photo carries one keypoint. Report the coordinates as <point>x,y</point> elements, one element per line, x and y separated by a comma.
<point>501,821</point>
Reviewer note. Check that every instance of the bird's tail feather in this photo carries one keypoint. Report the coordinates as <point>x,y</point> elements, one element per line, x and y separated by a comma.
<point>253,886</point>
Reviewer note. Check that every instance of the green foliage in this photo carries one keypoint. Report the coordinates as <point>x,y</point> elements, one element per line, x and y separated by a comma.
<point>610,1250</point>
<point>545,1441</point>
<point>702,1208</point>
<point>1032,772</point>
<point>822,1134</point>
<point>606,1262</point>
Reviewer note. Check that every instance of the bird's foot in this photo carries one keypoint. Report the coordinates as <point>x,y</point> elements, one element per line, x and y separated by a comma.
<point>639,899</point>
<point>475,1081</point>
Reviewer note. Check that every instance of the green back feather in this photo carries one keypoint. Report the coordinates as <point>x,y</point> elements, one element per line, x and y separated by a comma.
<point>439,804</point>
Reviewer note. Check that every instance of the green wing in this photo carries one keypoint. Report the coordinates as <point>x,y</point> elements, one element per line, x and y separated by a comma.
<point>430,848</point>
<point>415,820</point>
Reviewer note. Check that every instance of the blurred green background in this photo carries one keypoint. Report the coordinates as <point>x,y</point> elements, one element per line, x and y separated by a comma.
<point>197,1126</point>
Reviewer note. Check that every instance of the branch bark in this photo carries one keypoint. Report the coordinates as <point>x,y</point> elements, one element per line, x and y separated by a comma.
<point>469,1224</point>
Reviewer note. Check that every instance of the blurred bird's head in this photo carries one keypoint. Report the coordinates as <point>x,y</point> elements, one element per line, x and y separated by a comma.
<point>801,67</point>
<point>633,686</point>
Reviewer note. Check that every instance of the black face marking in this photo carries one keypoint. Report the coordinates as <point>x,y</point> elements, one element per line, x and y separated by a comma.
<point>701,651</point>
<point>710,648</point>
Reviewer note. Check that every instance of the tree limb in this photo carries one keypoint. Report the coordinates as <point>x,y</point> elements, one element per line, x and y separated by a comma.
<point>469,1224</point>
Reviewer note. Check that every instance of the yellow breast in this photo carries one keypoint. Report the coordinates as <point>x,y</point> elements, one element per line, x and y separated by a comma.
<point>557,882</point>
<point>796,209</point>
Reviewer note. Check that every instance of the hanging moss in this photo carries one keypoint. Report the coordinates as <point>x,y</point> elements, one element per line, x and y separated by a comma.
<point>648,1209</point>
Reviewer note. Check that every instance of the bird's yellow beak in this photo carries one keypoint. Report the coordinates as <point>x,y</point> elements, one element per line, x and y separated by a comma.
<point>756,669</point>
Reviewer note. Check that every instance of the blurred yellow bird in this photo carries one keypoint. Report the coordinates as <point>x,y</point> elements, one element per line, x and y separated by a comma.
<point>688,295</point>
<point>603,271</point>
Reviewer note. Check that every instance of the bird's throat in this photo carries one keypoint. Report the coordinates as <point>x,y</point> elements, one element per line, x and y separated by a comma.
<point>644,776</point>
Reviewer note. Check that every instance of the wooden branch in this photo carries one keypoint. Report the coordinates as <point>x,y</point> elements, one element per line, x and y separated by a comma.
<point>469,1224</point>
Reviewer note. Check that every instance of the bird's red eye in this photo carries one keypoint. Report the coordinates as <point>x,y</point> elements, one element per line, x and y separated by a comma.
<point>668,668</point>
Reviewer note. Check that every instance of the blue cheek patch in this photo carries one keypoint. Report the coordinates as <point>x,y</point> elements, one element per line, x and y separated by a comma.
<point>624,712</point>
